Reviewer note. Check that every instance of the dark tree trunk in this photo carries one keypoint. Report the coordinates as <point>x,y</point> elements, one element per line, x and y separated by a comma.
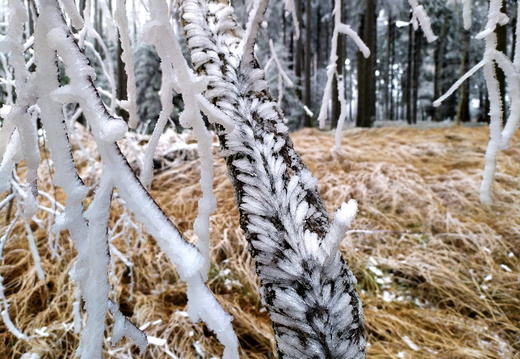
<point>340,65</point>
<point>418,39</point>
<point>328,33</point>
<point>407,87</point>
<point>501,32</point>
<point>487,107</point>
<point>391,59</point>
<point>513,36</point>
<point>284,30</point>
<point>463,114</point>
<point>122,79</point>
<point>387,71</point>
<point>347,76</point>
<point>298,50</point>
<point>81,7</point>
<point>439,68</point>
<point>366,69</point>
<point>308,57</point>
<point>319,54</point>
<point>98,24</point>
<point>31,11</point>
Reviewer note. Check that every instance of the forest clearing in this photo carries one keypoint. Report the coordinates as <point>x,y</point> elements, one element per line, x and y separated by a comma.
<point>438,272</point>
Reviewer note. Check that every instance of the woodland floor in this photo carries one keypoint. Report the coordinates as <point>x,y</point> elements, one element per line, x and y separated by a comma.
<point>438,272</point>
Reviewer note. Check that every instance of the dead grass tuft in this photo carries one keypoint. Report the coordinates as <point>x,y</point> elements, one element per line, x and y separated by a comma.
<point>438,271</point>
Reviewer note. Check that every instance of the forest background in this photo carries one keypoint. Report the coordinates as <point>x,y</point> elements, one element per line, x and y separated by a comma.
<point>403,76</point>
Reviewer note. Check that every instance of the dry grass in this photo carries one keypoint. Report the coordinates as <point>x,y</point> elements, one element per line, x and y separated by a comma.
<point>431,261</point>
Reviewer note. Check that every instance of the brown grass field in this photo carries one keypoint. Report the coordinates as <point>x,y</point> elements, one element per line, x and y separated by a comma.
<point>438,272</point>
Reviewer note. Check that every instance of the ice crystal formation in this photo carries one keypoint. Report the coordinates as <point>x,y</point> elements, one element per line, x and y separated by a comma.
<point>305,284</point>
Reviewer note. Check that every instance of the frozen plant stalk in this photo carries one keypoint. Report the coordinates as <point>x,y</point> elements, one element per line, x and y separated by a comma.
<point>45,96</point>
<point>305,284</point>
<point>332,71</point>
<point>499,135</point>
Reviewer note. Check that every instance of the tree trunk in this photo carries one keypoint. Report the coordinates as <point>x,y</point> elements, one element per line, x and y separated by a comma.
<point>319,53</point>
<point>391,41</point>
<point>284,30</point>
<point>298,50</point>
<point>98,24</point>
<point>340,65</point>
<point>307,288</point>
<point>387,70</point>
<point>407,88</point>
<point>513,36</point>
<point>418,38</point>
<point>439,67</point>
<point>122,79</point>
<point>501,32</point>
<point>308,57</point>
<point>463,114</point>
<point>366,69</point>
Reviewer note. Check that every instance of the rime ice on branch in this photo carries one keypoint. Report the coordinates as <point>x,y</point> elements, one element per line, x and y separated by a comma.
<point>54,43</point>
<point>289,6</point>
<point>332,71</point>
<point>499,137</point>
<point>306,286</point>
<point>420,18</point>
<point>282,75</point>
<point>169,50</point>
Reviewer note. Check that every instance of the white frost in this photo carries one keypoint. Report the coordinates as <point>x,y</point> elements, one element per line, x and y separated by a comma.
<point>342,219</point>
<point>420,18</point>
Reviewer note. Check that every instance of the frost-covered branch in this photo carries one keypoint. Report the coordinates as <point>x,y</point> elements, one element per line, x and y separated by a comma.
<point>282,75</point>
<point>420,18</point>
<point>41,95</point>
<point>466,13</point>
<point>306,286</point>
<point>130,104</point>
<point>499,137</point>
<point>332,71</point>
<point>290,7</point>
<point>106,62</point>
<point>202,307</point>
<point>256,15</point>
<point>169,50</point>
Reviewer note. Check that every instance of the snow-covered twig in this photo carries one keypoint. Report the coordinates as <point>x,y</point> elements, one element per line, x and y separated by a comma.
<point>70,8</point>
<point>332,71</point>
<point>459,82</point>
<point>106,62</point>
<point>130,104</point>
<point>466,13</point>
<point>256,15</point>
<point>499,137</point>
<point>4,310</point>
<point>124,328</point>
<point>290,7</point>
<point>88,229</point>
<point>282,75</point>
<point>20,114</point>
<point>276,60</point>
<point>420,18</point>
<point>169,51</point>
